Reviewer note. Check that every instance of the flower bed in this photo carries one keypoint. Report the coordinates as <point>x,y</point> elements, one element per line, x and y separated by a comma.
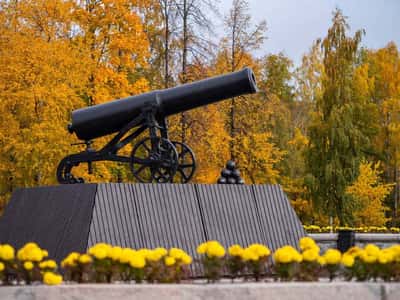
<point>365,229</point>
<point>104,263</point>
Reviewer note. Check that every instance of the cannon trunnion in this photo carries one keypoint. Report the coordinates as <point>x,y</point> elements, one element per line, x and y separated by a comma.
<point>154,158</point>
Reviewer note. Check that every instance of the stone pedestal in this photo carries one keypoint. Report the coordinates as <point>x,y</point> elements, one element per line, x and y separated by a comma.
<point>70,218</point>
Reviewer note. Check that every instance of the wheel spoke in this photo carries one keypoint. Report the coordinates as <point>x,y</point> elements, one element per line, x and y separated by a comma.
<point>140,169</point>
<point>146,147</point>
<point>185,166</point>
<point>183,176</point>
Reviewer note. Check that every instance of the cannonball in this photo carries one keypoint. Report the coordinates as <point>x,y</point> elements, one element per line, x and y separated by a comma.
<point>221,180</point>
<point>226,173</point>
<point>231,180</point>
<point>230,165</point>
<point>236,173</point>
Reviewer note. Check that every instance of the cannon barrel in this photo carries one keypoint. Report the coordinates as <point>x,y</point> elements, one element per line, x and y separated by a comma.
<point>103,119</point>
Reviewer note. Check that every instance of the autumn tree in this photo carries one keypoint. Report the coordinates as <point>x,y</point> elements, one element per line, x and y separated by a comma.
<point>381,73</point>
<point>277,90</point>
<point>306,89</point>
<point>112,35</point>
<point>369,194</point>
<point>161,25</point>
<point>246,117</point>
<point>56,56</point>
<point>337,132</point>
<point>111,32</point>
<point>194,46</point>
<point>42,75</point>
<point>240,40</point>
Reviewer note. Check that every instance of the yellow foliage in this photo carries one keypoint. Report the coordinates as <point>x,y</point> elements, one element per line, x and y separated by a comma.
<point>56,56</point>
<point>369,195</point>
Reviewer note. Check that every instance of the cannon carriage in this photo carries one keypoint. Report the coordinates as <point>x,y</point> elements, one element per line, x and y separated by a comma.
<point>154,158</point>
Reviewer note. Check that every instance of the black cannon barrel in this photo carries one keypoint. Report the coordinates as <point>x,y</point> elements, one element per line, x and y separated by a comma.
<point>103,119</point>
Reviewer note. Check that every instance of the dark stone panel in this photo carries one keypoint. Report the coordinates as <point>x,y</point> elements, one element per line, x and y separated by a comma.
<point>277,217</point>
<point>115,217</point>
<point>230,214</point>
<point>169,216</point>
<point>55,217</point>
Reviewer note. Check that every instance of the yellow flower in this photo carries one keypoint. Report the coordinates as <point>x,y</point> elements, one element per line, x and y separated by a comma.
<point>115,253</point>
<point>45,253</point>
<point>347,260</point>
<point>162,251</point>
<point>369,259</point>
<point>332,256</point>
<point>50,278</point>
<point>169,261</point>
<point>310,255</point>
<point>215,249</point>
<point>144,252</point>
<point>235,250</point>
<point>287,254</point>
<point>137,261</point>
<point>35,255</point>
<point>385,257</point>
<point>260,250</point>
<point>372,250</point>
<point>1,266</point>
<point>354,251</point>
<point>321,260</point>
<point>85,259</point>
<point>70,260</point>
<point>48,264</point>
<point>202,248</point>
<point>307,243</point>
<point>395,249</point>
<point>126,255</point>
<point>248,254</point>
<point>153,255</point>
<point>176,253</point>
<point>31,245</point>
<point>186,259</point>
<point>31,252</point>
<point>28,265</point>
<point>100,251</point>
<point>7,252</point>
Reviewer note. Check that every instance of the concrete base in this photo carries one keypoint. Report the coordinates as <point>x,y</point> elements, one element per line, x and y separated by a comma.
<point>286,291</point>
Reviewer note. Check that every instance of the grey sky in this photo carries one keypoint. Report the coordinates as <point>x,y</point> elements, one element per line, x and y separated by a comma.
<point>294,24</point>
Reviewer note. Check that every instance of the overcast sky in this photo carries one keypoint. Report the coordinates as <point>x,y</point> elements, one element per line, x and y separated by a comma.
<point>294,24</point>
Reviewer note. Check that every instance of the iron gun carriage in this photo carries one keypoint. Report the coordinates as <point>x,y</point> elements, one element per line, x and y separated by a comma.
<point>154,158</point>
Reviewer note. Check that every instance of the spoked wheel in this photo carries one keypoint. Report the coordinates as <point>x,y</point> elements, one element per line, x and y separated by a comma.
<point>154,163</point>
<point>186,163</point>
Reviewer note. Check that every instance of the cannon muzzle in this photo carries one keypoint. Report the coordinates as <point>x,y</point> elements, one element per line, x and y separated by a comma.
<point>103,119</point>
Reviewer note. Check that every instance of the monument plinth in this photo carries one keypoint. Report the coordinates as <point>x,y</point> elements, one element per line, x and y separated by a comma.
<point>70,218</point>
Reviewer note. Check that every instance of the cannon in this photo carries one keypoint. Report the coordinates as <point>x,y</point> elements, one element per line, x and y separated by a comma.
<point>154,158</point>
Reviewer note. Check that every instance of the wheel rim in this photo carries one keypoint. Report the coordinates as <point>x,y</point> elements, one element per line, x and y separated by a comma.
<point>186,163</point>
<point>157,163</point>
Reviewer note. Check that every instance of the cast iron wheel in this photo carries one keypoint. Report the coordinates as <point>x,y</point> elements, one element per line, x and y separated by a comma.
<point>186,163</point>
<point>154,160</point>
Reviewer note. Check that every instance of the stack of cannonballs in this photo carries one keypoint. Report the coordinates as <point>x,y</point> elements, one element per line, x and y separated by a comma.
<point>230,175</point>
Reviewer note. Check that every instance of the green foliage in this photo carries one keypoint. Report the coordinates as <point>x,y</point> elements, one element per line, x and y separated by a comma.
<point>337,138</point>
